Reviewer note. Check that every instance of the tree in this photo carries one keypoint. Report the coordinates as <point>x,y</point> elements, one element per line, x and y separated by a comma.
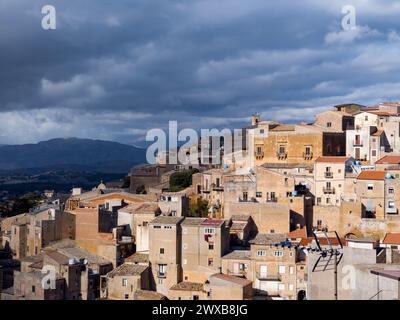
<point>199,209</point>
<point>181,180</point>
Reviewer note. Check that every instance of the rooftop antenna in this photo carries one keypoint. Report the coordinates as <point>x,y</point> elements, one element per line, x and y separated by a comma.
<point>327,253</point>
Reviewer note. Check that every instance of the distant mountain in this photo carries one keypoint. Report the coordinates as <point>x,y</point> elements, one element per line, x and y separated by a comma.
<point>71,154</point>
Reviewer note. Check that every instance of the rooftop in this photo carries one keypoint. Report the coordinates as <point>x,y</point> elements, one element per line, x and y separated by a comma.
<point>372,175</point>
<point>238,254</point>
<point>148,295</point>
<point>269,238</point>
<point>167,220</point>
<point>298,233</point>
<point>389,160</point>
<point>392,238</point>
<point>391,274</point>
<point>193,221</point>
<point>213,222</point>
<point>58,257</point>
<point>238,225</point>
<point>232,279</point>
<point>240,217</point>
<point>127,269</point>
<point>337,159</point>
<point>188,286</point>
<point>138,258</point>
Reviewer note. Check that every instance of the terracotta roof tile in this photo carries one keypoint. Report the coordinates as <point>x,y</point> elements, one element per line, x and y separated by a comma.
<point>298,233</point>
<point>337,159</point>
<point>389,160</point>
<point>392,238</point>
<point>372,175</point>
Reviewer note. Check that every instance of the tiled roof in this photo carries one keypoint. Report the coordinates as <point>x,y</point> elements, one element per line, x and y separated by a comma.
<point>193,221</point>
<point>338,159</point>
<point>138,258</point>
<point>380,113</point>
<point>238,254</point>
<point>188,286</point>
<point>268,238</point>
<point>144,208</point>
<point>167,220</point>
<point>283,127</point>
<point>58,257</point>
<point>372,175</point>
<point>127,269</point>
<point>148,295</point>
<point>212,222</point>
<point>238,225</point>
<point>298,233</point>
<point>392,238</point>
<point>389,160</point>
<point>232,279</point>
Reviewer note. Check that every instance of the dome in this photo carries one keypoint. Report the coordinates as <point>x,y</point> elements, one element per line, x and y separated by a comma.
<point>101,186</point>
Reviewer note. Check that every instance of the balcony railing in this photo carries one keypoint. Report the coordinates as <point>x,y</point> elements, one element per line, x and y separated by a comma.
<point>329,190</point>
<point>308,156</point>
<point>239,273</point>
<point>357,143</point>
<point>328,174</point>
<point>162,274</point>
<point>281,155</point>
<point>259,154</point>
<point>272,199</point>
<point>268,277</point>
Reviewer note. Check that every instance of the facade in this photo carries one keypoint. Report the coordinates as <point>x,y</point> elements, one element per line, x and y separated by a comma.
<point>165,252</point>
<point>204,242</point>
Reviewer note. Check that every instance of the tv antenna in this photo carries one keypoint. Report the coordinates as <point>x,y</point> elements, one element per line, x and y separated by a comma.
<point>330,255</point>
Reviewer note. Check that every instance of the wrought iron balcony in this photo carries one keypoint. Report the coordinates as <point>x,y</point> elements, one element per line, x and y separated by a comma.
<point>329,190</point>
<point>308,156</point>
<point>328,174</point>
<point>357,143</point>
<point>281,155</point>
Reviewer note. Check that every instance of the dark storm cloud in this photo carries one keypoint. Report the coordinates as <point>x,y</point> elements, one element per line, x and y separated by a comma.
<point>112,70</point>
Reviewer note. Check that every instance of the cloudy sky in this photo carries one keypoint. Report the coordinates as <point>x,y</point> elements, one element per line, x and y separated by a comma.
<point>114,69</point>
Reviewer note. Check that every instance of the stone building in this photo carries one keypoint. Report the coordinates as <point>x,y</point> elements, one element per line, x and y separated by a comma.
<point>204,242</point>
<point>165,252</point>
<point>226,287</point>
<point>122,282</point>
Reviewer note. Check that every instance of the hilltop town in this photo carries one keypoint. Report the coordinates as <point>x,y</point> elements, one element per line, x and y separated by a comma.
<point>304,203</point>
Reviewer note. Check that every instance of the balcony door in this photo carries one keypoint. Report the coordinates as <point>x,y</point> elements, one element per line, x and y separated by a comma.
<point>357,155</point>
<point>263,271</point>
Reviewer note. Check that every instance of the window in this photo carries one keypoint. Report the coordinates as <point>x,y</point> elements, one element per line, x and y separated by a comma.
<point>209,230</point>
<point>291,270</point>
<point>281,149</point>
<point>319,222</point>
<point>124,282</point>
<point>318,200</point>
<point>370,186</point>
<point>329,124</point>
<point>242,267</point>
<point>373,152</point>
<point>173,213</point>
<point>210,262</point>
<point>245,196</point>
<point>366,118</point>
<point>160,281</point>
<point>195,297</point>
<point>167,227</point>
<point>291,287</point>
<point>217,182</point>
<point>328,200</point>
<point>391,204</point>
<point>258,194</point>
<point>308,151</point>
<point>282,269</point>
<point>391,190</point>
<point>281,286</point>
<point>261,253</point>
<point>162,251</point>
<point>157,227</point>
<point>162,270</point>
<point>262,131</point>
<point>33,289</point>
<point>278,253</point>
<point>211,245</point>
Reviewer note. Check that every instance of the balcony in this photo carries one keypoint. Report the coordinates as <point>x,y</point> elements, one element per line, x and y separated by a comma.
<point>357,143</point>
<point>268,277</point>
<point>328,190</point>
<point>391,210</point>
<point>328,174</point>
<point>216,187</point>
<point>239,273</point>
<point>281,155</point>
<point>308,156</point>
<point>259,154</point>
<point>272,199</point>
